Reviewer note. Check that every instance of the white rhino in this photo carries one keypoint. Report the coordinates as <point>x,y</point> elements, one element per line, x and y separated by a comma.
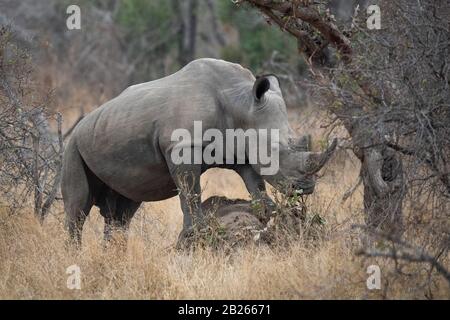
<point>119,155</point>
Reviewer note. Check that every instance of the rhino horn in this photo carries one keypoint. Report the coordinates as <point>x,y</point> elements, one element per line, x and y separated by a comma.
<point>317,160</point>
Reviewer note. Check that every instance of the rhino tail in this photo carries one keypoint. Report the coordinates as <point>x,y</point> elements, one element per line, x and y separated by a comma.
<point>75,190</point>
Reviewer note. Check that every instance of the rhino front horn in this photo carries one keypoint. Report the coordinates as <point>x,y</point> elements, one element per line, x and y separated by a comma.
<point>317,160</point>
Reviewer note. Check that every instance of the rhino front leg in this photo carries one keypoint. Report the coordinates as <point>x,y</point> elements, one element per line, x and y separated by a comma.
<point>187,180</point>
<point>252,180</point>
<point>255,184</point>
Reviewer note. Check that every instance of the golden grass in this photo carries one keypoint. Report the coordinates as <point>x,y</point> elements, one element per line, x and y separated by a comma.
<point>33,258</point>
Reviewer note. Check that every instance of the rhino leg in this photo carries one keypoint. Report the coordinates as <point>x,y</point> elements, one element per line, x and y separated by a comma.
<point>76,192</point>
<point>252,180</point>
<point>117,211</point>
<point>187,180</point>
<point>255,184</point>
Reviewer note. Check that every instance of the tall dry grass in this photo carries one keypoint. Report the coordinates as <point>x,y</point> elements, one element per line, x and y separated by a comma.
<point>33,258</point>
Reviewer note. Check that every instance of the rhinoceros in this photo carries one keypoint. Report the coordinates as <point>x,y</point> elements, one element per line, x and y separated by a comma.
<point>120,154</point>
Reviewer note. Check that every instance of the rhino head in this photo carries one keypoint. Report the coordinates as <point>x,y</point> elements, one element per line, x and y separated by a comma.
<point>298,168</point>
<point>297,165</point>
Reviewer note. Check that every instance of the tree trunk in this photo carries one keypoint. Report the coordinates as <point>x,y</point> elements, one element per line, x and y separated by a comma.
<point>186,12</point>
<point>382,176</point>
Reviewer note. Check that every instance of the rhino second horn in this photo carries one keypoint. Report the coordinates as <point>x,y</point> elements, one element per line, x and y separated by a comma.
<point>317,160</point>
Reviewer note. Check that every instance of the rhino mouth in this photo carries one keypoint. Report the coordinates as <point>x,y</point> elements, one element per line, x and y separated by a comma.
<point>302,189</point>
<point>306,191</point>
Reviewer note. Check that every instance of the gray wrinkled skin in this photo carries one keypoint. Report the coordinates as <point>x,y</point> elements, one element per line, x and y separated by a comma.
<point>119,154</point>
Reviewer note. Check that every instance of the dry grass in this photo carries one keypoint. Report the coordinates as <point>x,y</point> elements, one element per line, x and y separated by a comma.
<point>33,258</point>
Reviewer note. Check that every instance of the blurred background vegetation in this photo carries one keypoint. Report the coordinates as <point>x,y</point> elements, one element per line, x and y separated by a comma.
<point>243,35</point>
<point>122,42</point>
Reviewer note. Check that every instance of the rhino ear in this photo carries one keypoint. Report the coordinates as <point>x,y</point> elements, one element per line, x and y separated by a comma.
<point>260,87</point>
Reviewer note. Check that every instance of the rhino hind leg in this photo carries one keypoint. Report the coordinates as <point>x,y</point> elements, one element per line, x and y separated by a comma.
<point>76,192</point>
<point>117,211</point>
